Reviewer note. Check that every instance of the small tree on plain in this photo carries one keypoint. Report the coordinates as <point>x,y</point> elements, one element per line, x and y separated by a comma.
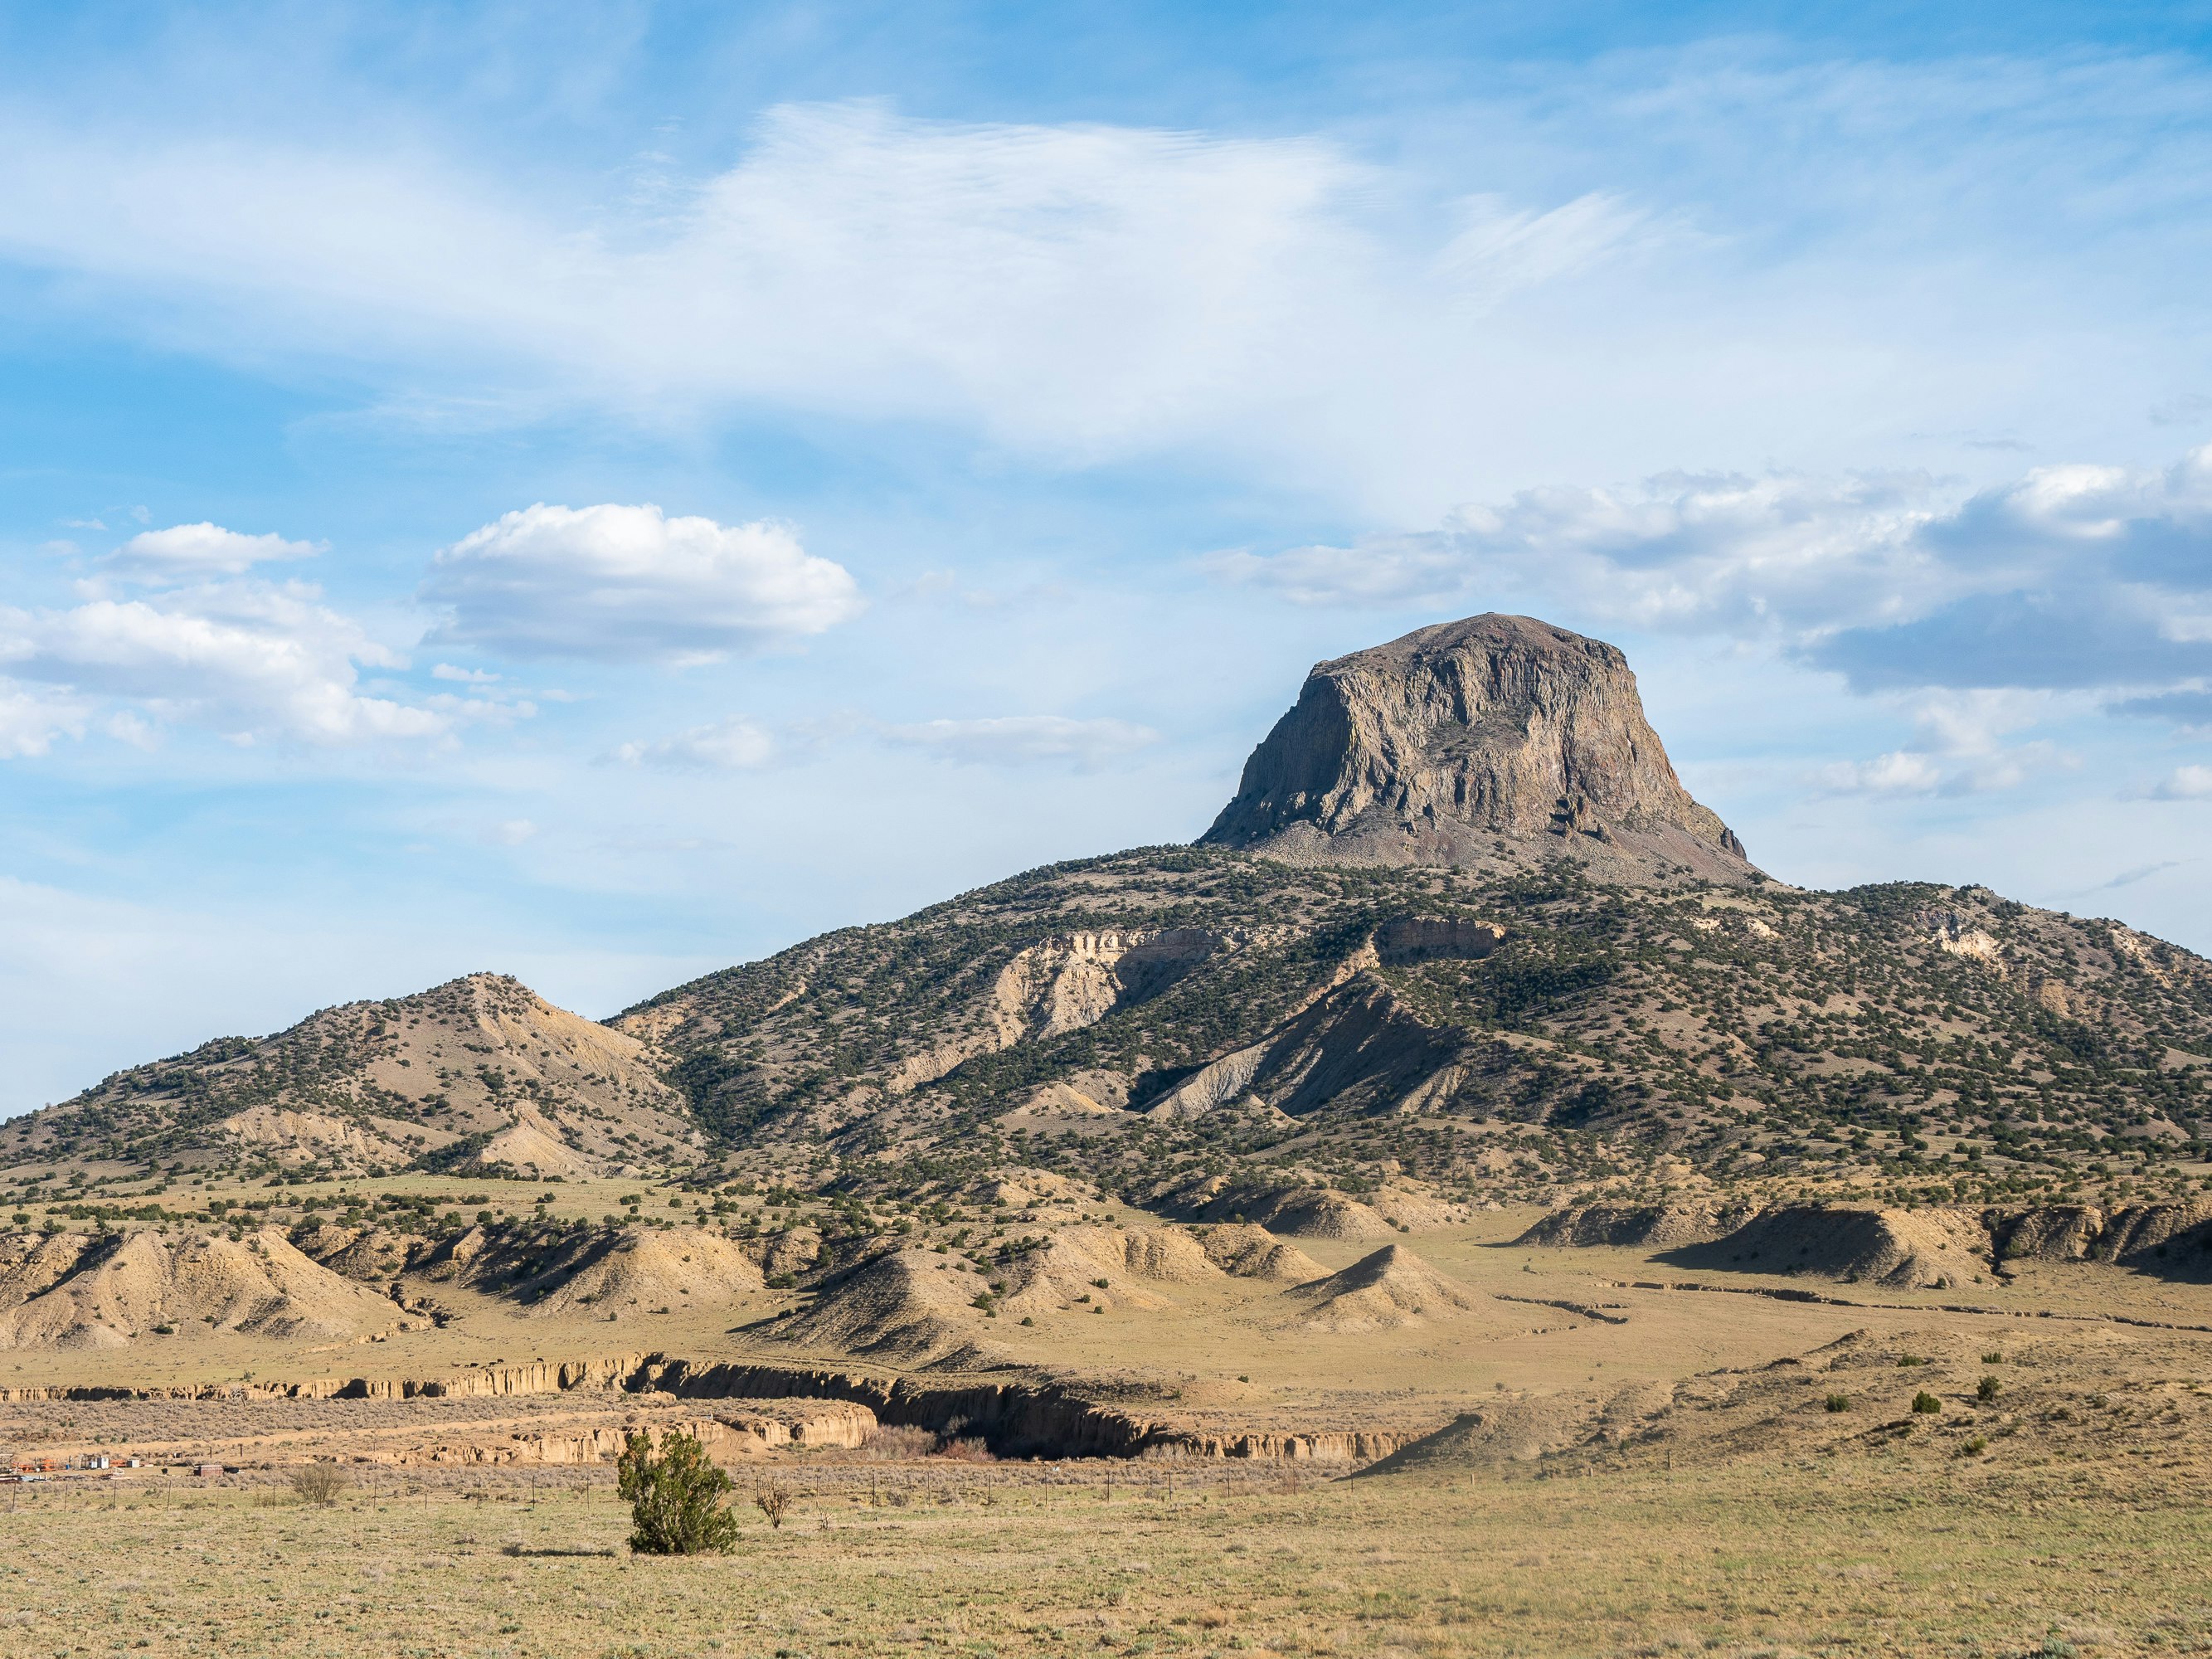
<point>676,1496</point>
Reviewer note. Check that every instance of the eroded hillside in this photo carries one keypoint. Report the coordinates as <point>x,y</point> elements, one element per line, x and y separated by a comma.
<point>480,1071</point>
<point>1483,1030</point>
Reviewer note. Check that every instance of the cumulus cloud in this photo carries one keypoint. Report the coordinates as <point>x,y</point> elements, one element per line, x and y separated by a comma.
<point>31,719</point>
<point>251,660</point>
<point>186,552</point>
<point>734,744</point>
<point>2186,783</point>
<point>1899,772</point>
<point>629,584</point>
<point>1023,739</point>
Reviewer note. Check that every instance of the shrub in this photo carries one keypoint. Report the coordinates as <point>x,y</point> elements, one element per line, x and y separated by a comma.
<point>1837,1402</point>
<point>1975,1447</point>
<point>772,1498</point>
<point>676,1496</point>
<point>896,1441</point>
<point>1993,1359</point>
<point>1987,1389</point>
<point>1926,1403</point>
<point>318,1483</point>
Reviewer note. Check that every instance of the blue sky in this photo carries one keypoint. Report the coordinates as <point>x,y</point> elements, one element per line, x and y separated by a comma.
<point>602,502</point>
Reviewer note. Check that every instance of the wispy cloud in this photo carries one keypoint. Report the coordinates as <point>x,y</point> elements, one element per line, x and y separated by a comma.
<point>1023,739</point>
<point>2071,577</point>
<point>734,745</point>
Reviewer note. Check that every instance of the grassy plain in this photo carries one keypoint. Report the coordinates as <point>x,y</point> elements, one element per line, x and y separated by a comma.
<point>1913,1553</point>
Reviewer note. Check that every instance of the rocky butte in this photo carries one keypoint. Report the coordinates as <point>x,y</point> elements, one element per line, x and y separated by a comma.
<point>1468,741</point>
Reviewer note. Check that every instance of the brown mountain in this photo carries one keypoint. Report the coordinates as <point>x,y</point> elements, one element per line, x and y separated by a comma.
<point>1475,742</point>
<point>481,1071</point>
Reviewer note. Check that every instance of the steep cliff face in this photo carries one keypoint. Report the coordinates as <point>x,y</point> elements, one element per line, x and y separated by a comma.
<point>1490,740</point>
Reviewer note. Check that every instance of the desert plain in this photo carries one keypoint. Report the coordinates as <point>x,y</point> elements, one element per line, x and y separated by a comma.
<point>1602,1451</point>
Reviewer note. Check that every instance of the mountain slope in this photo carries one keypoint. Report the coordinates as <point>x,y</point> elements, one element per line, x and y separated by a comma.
<point>480,1072</point>
<point>1491,1033</point>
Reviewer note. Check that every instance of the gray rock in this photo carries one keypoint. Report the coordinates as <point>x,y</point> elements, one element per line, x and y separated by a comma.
<point>1494,739</point>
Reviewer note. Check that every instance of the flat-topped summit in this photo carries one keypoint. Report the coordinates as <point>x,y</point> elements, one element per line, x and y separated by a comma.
<point>1457,744</point>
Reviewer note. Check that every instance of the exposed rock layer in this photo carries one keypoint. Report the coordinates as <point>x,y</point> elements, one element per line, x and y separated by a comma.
<point>1472,740</point>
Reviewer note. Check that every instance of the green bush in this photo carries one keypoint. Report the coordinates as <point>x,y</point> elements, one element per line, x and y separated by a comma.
<point>1926,1403</point>
<point>677,1496</point>
<point>1838,1402</point>
<point>1987,1389</point>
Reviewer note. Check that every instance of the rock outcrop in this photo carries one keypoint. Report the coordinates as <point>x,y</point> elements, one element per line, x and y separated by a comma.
<point>1474,743</point>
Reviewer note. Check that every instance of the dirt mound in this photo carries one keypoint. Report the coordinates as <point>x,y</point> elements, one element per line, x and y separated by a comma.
<point>372,1255</point>
<point>2061,1232</point>
<point>1061,1274</point>
<point>145,1284</point>
<point>31,1264</point>
<point>1166,1253</point>
<point>794,1250</point>
<point>532,1147</point>
<point>1322,1214</point>
<point>910,1305</point>
<point>1517,1431</point>
<point>1932,1249</point>
<point>1249,1252</point>
<point>2158,1237</point>
<point>646,1269</point>
<point>1660,1226</point>
<point>1021,1188</point>
<point>1393,1288</point>
<point>1287,1211</point>
<point>1417,1211</point>
<point>1928,1248</point>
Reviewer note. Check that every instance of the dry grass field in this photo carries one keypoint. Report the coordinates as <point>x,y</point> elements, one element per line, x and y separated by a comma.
<point>1614,1469</point>
<point>1912,1550</point>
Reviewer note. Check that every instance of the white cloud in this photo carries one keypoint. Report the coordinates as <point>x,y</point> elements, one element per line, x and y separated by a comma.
<point>250,660</point>
<point>728,745</point>
<point>628,584</point>
<point>31,719</point>
<point>1023,739</point>
<point>511,832</point>
<point>2072,578</point>
<point>1899,772</point>
<point>1692,552</point>
<point>187,552</point>
<point>445,671</point>
<point>2186,783</point>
